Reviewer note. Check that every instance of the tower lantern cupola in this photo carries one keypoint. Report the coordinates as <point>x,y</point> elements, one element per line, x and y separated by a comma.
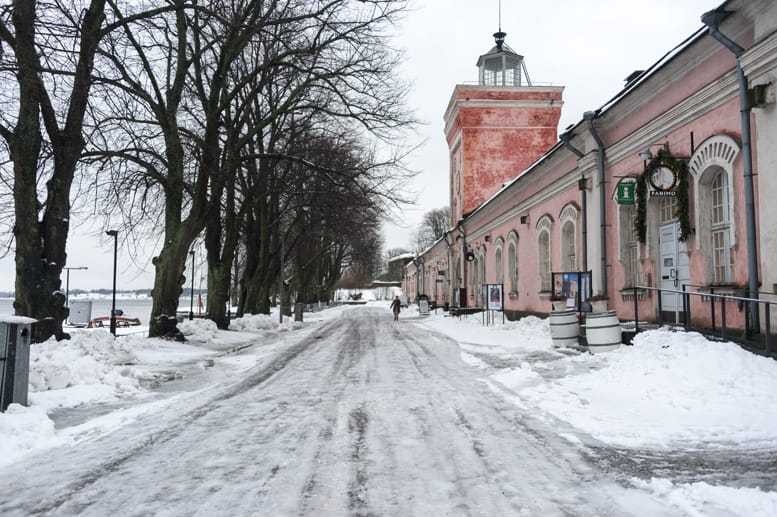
<point>502,66</point>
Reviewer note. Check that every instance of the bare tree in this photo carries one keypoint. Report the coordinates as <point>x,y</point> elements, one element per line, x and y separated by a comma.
<point>433,227</point>
<point>49,48</point>
<point>188,85</point>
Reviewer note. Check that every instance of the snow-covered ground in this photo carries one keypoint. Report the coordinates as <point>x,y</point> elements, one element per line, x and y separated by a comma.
<point>670,391</point>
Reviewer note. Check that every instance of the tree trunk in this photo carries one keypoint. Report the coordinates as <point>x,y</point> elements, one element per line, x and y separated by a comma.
<point>41,244</point>
<point>168,283</point>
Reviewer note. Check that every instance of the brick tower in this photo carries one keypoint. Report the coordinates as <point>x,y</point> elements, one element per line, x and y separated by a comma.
<point>497,128</point>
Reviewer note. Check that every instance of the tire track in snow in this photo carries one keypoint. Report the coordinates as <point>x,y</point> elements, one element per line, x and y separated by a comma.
<point>164,435</point>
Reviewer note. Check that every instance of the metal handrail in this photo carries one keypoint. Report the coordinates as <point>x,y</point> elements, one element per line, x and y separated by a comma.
<point>730,287</point>
<point>723,298</point>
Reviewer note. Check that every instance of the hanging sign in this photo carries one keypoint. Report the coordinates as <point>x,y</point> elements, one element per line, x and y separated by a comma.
<point>663,179</point>
<point>626,193</point>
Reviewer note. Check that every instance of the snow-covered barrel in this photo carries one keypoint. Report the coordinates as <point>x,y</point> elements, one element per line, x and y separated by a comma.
<point>602,331</point>
<point>564,328</point>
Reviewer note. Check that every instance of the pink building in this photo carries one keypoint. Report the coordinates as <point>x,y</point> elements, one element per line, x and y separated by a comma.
<point>660,187</point>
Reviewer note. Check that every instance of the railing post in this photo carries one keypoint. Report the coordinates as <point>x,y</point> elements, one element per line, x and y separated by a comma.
<point>686,309</point>
<point>723,317</point>
<point>660,308</point>
<point>712,308</point>
<point>767,320</point>
<point>636,312</point>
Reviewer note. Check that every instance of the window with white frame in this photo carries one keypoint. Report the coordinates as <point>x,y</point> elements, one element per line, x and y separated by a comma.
<point>629,245</point>
<point>668,208</point>
<point>720,229</point>
<point>569,238</point>
<point>512,262</point>
<point>498,264</point>
<point>543,253</point>
<point>543,247</point>
<point>712,171</point>
<point>473,277</point>
<point>568,246</point>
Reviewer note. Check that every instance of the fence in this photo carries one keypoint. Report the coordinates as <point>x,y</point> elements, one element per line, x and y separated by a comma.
<point>718,319</point>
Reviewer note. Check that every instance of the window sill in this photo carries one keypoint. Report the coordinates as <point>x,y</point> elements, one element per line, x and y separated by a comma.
<point>627,294</point>
<point>720,289</point>
<point>546,295</point>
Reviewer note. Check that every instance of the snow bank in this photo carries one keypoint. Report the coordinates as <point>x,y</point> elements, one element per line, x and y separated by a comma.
<point>90,357</point>
<point>668,389</point>
<point>705,499</point>
<point>254,322</point>
<point>199,330</point>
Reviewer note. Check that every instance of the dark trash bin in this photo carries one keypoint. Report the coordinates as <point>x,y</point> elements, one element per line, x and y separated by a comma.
<point>15,334</point>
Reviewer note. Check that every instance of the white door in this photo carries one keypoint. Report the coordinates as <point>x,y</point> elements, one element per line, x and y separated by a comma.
<point>675,272</point>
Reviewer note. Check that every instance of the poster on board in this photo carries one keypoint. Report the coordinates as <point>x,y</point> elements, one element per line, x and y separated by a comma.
<point>494,297</point>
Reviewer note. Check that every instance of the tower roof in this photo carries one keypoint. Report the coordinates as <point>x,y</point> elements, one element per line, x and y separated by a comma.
<point>502,66</point>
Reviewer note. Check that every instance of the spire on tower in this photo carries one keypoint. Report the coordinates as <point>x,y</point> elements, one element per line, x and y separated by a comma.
<point>502,66</point>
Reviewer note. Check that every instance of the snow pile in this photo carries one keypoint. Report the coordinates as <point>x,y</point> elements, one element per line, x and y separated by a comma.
<point>199,330</point>
<point>705,499</point>
<point>24,429</point>
<point>528,328</point>
<point>90,357</point>
<point>254,322</point>
<point>669,388</point>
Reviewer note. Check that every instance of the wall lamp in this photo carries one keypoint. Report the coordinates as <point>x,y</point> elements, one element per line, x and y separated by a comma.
<point>646,154</point>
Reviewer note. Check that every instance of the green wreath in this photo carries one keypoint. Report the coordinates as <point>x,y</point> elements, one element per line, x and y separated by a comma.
<point>680,166</point>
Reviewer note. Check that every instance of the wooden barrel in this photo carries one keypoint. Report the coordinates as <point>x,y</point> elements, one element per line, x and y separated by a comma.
<point>602,331</point>
<point>564,328</point>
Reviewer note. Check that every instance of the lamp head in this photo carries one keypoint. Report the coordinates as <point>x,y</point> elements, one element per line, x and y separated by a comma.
<point>646,154</point>
<point>112,233</point>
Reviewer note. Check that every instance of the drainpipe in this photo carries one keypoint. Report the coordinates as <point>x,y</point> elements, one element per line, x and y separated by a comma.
<point>462,264</point>
<point>451,270</point>
<point>565,137</point>
<point>589,117</point>
<point>712,20</point>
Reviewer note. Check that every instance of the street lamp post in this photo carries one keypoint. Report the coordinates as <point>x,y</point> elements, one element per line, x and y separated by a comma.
<point>115,235</point>
<point>280,287</point>
<point>191,294</point>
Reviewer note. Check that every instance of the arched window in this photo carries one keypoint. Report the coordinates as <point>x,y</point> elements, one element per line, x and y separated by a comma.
<point>569,238</point>
<point>512,263</point>
<point>568,246</point>
<point>543,253</point>
<point>498,264</point>
<point>712,170</point>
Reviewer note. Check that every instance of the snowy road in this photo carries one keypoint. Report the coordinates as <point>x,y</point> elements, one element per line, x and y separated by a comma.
<point>362,417</point>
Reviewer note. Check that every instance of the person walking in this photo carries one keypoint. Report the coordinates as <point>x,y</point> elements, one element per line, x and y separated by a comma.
<point>395,307</point>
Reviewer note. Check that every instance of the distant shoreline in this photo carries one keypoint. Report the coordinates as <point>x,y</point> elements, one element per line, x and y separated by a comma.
<point>102,294</point>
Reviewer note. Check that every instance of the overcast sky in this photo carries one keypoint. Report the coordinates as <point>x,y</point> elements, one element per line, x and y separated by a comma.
<point>587,46</point>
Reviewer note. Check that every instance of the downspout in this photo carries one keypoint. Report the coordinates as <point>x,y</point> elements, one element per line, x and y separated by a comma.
<point>712,20</point>
<point>462,264</point>
<point>584,198</point>
<point>589,117</point>
<point>449,282</point>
